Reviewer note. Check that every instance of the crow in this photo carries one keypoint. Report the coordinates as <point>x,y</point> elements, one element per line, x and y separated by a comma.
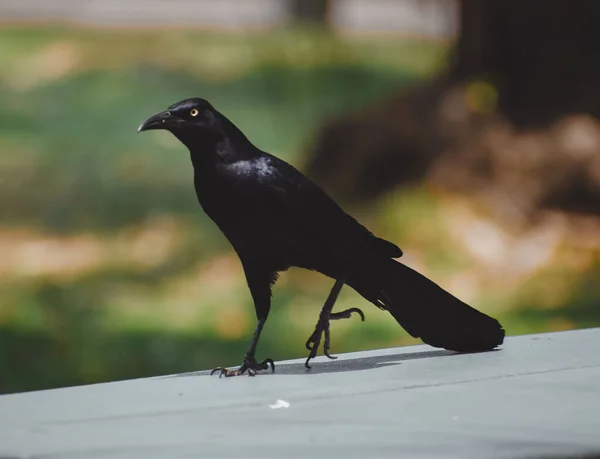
<point>276,218</point>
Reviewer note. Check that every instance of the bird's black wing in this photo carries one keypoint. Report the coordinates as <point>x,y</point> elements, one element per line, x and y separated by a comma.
<point>293,197</point>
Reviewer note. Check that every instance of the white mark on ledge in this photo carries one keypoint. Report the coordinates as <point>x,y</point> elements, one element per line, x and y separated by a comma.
<point>279,404</point>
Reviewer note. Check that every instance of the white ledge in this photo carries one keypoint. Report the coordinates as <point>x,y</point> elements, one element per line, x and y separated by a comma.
<point>538,395</point>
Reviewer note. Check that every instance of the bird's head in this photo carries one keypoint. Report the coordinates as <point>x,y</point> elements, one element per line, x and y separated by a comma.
<point>191,121</point>
<point>189,114</point>
<point>201,128</point>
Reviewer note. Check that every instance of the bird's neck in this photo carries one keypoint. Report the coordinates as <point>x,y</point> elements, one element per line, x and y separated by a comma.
<point>211,148</point>
<point>202,141</point>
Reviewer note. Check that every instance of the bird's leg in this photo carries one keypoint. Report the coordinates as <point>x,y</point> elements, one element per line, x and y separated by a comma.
<point>249,364</point>
<point>322,327</point>
<point>259,282</point>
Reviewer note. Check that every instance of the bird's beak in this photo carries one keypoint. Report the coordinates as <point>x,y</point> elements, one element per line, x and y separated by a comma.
<point>162,120</point>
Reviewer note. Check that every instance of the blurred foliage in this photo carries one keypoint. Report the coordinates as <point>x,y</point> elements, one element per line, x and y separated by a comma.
<point>110,269</point>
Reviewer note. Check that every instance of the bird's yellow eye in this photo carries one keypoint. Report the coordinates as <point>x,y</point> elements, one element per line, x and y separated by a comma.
<point>194,112</point>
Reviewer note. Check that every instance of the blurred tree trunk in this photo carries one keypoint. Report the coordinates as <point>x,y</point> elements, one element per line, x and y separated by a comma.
<point>310,11</point>
<point>543,56</point>
<point>514,116</point>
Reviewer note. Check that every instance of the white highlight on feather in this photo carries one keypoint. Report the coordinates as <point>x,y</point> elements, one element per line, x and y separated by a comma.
<point>261,167</point>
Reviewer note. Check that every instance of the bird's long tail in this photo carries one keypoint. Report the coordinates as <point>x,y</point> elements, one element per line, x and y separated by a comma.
<point>427,311</point>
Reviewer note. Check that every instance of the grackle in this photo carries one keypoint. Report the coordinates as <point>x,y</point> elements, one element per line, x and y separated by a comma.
<point>276,218</point>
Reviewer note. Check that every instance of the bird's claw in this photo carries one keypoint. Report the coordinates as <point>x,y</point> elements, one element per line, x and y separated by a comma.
<point>326,352</point>
<point>249,366</point>
<point>322,327</point>
<point>347,314</point>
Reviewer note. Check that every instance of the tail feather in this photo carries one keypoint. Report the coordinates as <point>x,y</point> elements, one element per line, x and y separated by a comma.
<point>427,311</point>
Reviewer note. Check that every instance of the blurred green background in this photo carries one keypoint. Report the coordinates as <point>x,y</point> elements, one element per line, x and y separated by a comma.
<point>109,268</point>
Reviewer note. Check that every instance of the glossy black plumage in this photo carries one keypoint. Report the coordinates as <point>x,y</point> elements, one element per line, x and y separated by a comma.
<point>276,218</point>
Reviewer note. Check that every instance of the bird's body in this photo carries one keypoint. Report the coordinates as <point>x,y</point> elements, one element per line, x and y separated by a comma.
<point>271,213</point>
<point>250,202</point>
<point>275,218</point>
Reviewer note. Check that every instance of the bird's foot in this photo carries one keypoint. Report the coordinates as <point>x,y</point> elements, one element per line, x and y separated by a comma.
<point>321,328</point>
<point>249,366</point>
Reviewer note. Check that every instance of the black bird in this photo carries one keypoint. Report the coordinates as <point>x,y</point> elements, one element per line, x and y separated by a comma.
<point>276,218</point>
